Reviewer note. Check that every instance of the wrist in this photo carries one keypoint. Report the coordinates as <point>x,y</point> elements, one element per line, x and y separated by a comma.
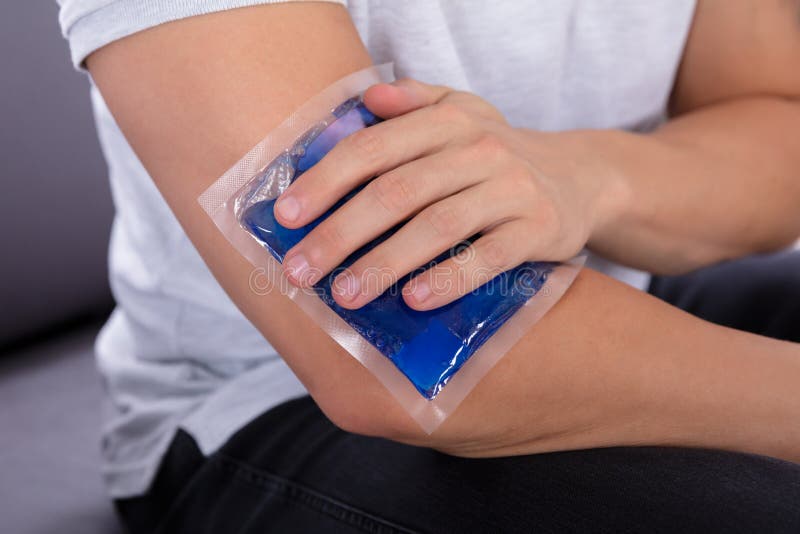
<point>581,158</point>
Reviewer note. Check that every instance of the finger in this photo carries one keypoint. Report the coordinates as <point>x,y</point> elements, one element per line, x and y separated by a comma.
<point>367,153</point>
<point>433,231</point>
<point>403,96</point>
<point>495,252</point>
<point>389,100</point>
<point>386,201</point>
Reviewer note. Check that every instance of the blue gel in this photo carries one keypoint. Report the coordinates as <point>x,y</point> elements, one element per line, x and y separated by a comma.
<point>428,347</point>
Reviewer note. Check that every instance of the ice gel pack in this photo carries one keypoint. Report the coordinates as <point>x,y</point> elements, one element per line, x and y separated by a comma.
<point>429,360</point>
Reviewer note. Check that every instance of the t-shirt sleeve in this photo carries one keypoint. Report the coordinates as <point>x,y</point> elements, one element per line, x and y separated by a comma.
<point>92,24</point>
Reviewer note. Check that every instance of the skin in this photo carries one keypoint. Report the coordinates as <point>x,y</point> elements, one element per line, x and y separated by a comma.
<point>642,200</point>
<point>450,162</point>
<point>192,96</point>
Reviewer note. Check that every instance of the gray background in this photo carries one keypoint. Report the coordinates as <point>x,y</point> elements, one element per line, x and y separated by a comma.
<point>55,215</point>
<point>55,210</point>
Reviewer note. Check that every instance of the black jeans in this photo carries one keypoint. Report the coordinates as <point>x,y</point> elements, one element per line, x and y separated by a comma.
<point>292,471</point>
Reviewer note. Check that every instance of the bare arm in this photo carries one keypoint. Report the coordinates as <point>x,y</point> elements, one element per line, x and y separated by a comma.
<point>722,178</point>
<point>718,181</point>
<point>608,365</point>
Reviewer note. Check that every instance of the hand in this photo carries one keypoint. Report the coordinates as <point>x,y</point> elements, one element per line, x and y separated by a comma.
<point>449,163</point>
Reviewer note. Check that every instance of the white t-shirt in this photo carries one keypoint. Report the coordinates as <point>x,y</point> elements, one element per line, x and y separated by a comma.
<point>177,352</point>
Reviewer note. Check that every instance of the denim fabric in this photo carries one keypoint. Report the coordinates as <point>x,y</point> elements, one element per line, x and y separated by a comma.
<point>292,471</point>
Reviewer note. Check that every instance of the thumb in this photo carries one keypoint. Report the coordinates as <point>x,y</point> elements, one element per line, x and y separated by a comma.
<point>388,100</point>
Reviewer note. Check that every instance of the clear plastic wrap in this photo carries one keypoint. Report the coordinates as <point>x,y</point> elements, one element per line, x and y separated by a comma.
<point>428,360</point>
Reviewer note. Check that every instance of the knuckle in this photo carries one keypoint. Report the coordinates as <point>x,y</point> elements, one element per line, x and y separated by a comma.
<point>444,218</point>
<point>368,146</point>
<point>552,220</point>
<point>521,180</point>
<point>550,215</point>
<point>377,272</point>
<point>494,253</point>
<point>462,280</point>
<point>412,83</point>
<point>452,113</point>
<point>330,239</point>
<point>489,146</point>
<point>548,222</point>
<point>374,261</point>
<point>394,193</point>
<point>458,95</point>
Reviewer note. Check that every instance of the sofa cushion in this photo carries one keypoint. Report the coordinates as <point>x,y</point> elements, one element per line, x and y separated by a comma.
<point>55,205</point>
<point>50,407</point>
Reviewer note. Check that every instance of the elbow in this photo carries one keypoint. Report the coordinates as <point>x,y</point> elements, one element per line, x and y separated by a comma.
<point>686,257</point>
<point>346,392</point>
<point>690,258</point>
<point>357,420</point>
<point>366,408</point>
<point>681,264</point>
<point>365,421</point>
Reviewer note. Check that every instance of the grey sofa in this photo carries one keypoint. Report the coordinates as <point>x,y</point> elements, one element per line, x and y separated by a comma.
<point>55,216</point>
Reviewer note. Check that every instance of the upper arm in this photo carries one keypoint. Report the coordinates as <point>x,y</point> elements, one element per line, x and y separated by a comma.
<point>740,48</point>
<point>216,84</point>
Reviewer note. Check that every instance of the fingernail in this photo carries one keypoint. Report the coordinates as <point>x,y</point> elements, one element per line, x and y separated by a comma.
<point>422,290</point>
<point>288,208</point>
<point>296,267</point>
<point>347,286</point>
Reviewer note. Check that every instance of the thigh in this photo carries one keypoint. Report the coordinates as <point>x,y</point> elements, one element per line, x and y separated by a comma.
<point>291,470</point>
<point>760,294</point>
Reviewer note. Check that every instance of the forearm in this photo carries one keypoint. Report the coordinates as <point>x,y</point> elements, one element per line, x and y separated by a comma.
<point>613,366</point>
<point>714,184</point>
